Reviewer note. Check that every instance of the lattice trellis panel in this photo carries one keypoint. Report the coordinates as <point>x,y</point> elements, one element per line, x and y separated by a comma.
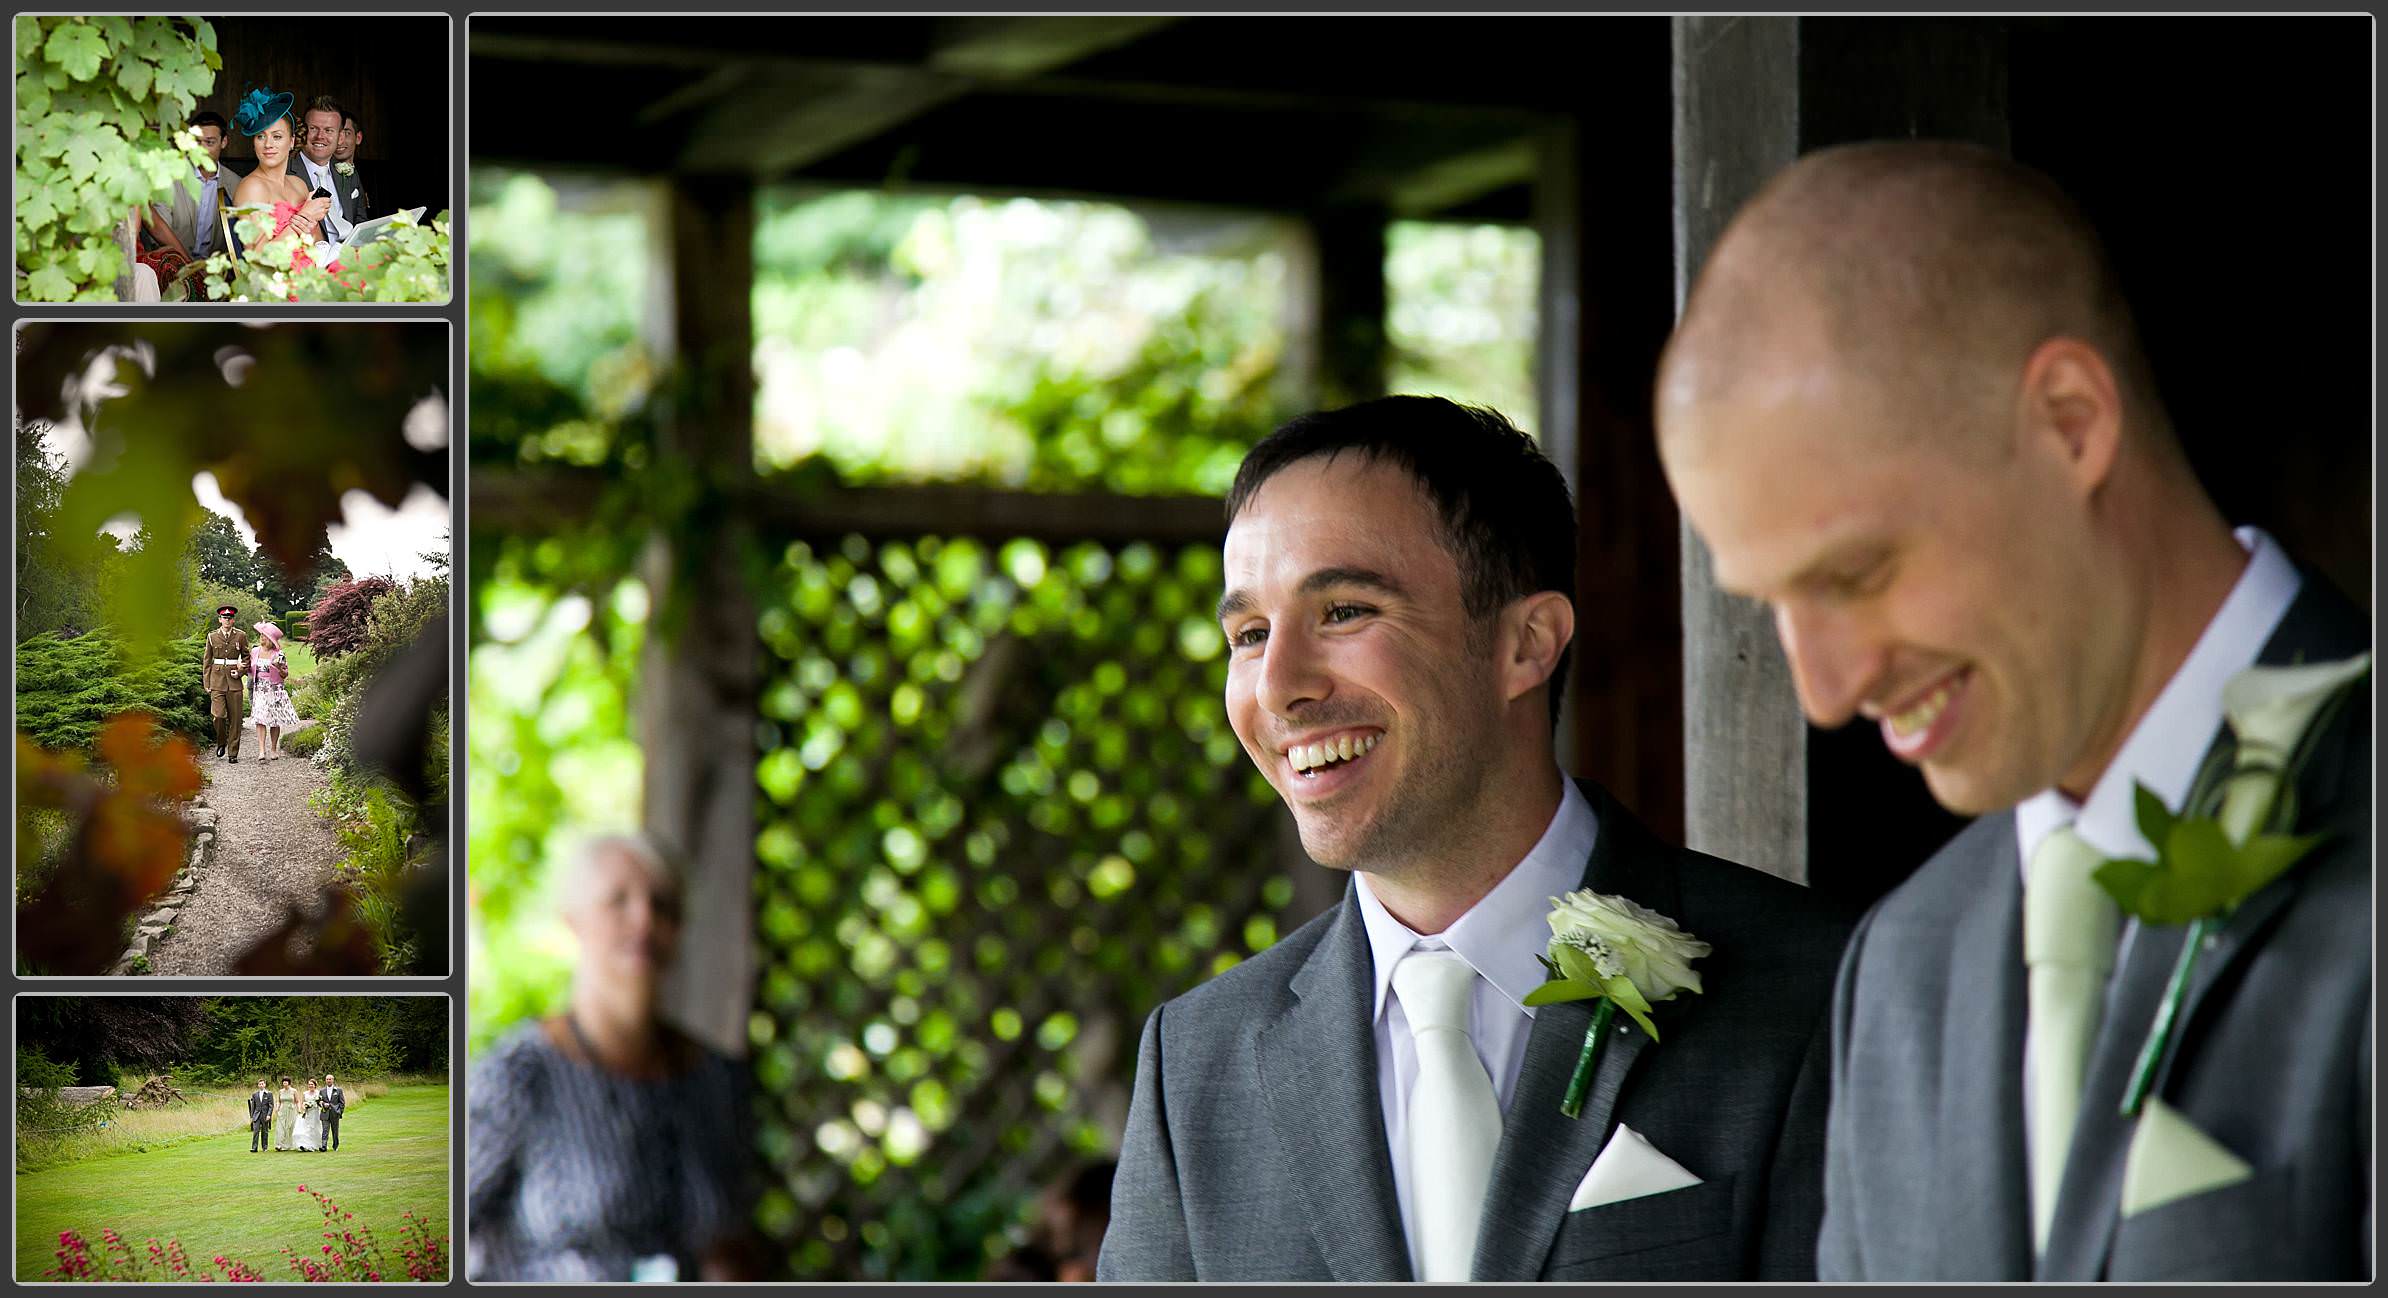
<point>1003,818</point>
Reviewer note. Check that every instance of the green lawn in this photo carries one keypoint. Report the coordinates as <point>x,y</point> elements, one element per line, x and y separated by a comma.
<point>300,657</point>
<point>217,1197</point>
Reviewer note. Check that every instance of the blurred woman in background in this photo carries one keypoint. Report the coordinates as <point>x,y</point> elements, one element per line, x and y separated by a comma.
<point>604,1143</point>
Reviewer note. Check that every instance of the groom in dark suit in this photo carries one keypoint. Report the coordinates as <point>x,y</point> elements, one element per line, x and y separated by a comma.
<point>1907,407</point>
<point>334,1104</point>
<point>1370,1099</point>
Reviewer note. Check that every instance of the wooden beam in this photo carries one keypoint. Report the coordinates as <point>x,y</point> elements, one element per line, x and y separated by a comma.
<point>551,498</point>
<point>800,115</point>
<point>1744,741</point>
<point>1008,46</point>
<point>697,694</point>
<point>1350,294</point>
<point>1752,95</point>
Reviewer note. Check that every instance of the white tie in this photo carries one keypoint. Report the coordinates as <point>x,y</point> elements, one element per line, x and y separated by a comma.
<point>1454,1119</point>
<point>2069,930</point>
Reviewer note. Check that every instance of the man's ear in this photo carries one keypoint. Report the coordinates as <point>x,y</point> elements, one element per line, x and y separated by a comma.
<point>1535,631</point>
<point>2072,406</point>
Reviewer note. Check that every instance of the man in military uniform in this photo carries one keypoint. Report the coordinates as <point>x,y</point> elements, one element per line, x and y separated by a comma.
<point>226,663</point>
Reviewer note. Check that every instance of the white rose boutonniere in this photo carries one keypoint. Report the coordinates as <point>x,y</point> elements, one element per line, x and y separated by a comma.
<point>1622,956</point>
<point>345,168</point>
<point>2235,831</point>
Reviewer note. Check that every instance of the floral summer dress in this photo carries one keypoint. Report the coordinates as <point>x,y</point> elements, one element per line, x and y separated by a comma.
<point>269,703</point>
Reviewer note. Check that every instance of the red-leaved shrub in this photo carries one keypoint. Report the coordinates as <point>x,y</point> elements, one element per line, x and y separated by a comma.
<point>338,622</point>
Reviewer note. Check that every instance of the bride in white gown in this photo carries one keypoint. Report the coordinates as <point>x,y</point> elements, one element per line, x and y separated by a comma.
<point>309,1134</point>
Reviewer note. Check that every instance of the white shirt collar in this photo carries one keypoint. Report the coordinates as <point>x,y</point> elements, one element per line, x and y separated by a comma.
<point>2164,750</point>
<point>1499,935</point>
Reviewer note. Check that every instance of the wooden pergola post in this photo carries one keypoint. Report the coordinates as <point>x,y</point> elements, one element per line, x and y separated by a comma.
<point>696,697</point>
<point>1751,96</point>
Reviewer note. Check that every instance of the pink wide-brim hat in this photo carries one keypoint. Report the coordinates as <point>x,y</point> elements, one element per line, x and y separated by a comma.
<point>270,631</point>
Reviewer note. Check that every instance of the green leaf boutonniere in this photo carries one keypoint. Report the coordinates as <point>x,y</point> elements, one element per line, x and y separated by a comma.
<point>2235,831</point>
<point>1609,950</point>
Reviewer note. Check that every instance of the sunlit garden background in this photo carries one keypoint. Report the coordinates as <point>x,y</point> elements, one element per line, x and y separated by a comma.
<point>1000,814</point>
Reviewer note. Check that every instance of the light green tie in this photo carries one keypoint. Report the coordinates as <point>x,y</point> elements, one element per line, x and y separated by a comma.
<point>2069,931</point>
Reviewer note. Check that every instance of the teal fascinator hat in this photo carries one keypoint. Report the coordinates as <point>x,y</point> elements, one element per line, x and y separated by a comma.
<point>262,108</point>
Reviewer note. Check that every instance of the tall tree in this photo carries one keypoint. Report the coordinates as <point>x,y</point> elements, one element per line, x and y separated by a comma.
<point>323,572</point>
<point>225,559</point>
<point>56,575</point>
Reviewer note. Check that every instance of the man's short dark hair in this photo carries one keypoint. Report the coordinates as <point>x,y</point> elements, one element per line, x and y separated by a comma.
<point>351,121</point>
<point>210,118</point>
<point>1507,518</point>
<point>326,104</point>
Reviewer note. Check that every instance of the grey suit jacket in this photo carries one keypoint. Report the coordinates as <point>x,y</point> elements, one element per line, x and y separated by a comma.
<point>261,1108</point>
<point>1926,1176</point>
<point>1256,1150</point>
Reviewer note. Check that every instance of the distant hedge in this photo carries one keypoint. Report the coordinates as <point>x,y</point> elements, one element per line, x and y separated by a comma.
<point>68,688</point>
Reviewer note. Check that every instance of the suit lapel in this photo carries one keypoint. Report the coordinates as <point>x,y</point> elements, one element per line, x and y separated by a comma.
<point>1318,1078</point>
<point>1543,1155</point>
<point>1981,1173</point>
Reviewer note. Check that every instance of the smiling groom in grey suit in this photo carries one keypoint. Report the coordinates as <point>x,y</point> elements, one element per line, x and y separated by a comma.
<point>1370,1099</point>
<point>1907,407</point>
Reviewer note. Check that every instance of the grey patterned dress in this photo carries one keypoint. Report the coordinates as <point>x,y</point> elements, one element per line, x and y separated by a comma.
<point>574,1172</point>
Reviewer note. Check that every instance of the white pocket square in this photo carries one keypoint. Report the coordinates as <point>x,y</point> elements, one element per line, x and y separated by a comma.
<point>2171,1159</point>
<point>1628,1168</point>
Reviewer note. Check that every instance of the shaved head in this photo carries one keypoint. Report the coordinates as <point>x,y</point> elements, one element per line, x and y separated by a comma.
<point>1906,408</point>
<point>1933,269</point>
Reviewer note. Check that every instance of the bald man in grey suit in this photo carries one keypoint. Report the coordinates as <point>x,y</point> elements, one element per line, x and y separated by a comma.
<point>1907,407</point>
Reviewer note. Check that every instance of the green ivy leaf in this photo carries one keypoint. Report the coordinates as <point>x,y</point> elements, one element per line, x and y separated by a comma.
<point>80,146</point>
<point>28,32</point>
<point>207,40</point>
<point>1558,991</point>
<point>2265,857</point>
<point>50,284</point>
<point>1577,965</point>
<point>2155,819</point>
<point>134,75</point>
<point>2126,881</point>
<point>1629,999</point>
<point>77,49</point>
<point>33,206</point>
